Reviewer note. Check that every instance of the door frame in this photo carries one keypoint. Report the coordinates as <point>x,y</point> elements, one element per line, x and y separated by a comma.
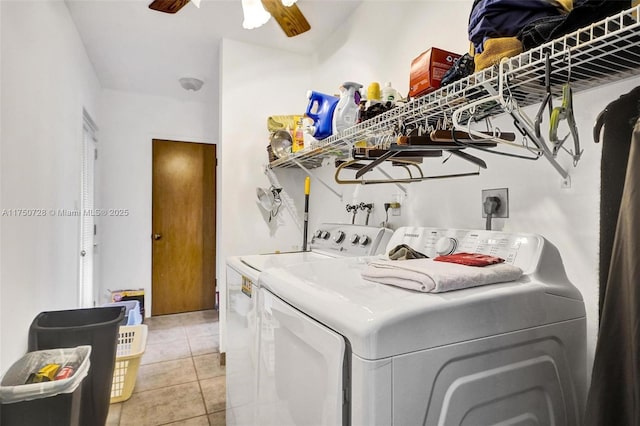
<point>87,283</point>
<point>192,140</point>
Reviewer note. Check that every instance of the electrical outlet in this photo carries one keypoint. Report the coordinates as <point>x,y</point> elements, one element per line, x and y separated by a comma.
<point>395,205</point>
<point>503,195</point>
<point>395,208</point>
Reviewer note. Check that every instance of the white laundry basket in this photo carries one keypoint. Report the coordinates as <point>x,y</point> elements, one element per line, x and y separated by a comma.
<point>132,341</point>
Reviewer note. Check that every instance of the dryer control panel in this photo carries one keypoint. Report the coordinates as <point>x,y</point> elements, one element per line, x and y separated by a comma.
<point>350,240</point>
<point>519,249</point>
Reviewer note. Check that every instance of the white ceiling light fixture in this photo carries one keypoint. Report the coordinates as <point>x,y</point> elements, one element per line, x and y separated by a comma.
<point>254,14</point>
<point>190,83</point>
<point>289,3</point>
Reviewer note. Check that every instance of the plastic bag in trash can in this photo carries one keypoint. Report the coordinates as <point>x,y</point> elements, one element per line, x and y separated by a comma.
<point>13,387</point>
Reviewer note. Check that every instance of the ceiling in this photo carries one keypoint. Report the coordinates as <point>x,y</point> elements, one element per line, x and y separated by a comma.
<point>136,49</point>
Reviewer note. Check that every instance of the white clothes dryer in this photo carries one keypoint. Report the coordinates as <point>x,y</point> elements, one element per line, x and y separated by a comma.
<point>330,241</point>
<point>335,349</point>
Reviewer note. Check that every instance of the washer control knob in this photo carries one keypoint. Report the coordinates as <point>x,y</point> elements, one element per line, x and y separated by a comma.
<point>318,234</point>
<point>339,237</point>
<point>325,235</point>
<point>446,245</point>
<point>364,240</point>
<point>354,239</point>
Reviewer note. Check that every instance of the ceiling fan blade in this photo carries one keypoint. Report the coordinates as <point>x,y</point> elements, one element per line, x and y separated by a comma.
<point>290,19</point>
<point>168,6</point>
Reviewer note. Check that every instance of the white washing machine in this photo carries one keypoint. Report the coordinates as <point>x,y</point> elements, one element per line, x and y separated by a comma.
<point>328,242</point>
<point>335,349</point>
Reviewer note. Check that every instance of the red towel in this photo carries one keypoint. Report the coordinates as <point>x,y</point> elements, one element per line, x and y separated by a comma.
<point>470,259</point>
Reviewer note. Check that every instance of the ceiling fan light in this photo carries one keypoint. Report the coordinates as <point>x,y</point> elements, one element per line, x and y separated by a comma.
<point>289,3</point>
<point>254,14</point>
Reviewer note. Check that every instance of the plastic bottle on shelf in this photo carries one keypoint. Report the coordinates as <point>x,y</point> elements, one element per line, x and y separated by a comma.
<point>389,94</point>
<point>321,109</point>
<point>348,108</point>
<point>298,134</point>
<point>373,92</point>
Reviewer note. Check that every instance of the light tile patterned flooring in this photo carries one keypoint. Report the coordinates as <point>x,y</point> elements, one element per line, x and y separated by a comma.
<point>180,381</point>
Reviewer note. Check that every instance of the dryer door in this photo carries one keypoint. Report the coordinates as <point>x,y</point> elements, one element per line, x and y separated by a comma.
<point>300,370</point>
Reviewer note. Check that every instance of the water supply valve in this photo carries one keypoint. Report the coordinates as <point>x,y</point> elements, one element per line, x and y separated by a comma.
<point>368,207</point>
<point>353,209</point>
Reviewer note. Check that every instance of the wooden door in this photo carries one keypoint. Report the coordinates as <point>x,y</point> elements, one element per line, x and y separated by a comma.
<point>183,227</point>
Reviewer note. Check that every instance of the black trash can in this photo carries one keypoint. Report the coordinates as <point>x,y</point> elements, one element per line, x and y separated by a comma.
<point>97,327</point>
<point>48,403</point>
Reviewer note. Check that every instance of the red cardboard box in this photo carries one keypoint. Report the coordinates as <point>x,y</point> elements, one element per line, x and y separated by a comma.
<point>428,69</point>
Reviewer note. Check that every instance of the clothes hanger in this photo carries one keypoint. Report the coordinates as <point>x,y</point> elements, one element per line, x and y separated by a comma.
<point>599,124</point>
<point>602,117</point>
<point>445,136</point>
<point>341,165</point>
<point>356,164</point>
<point>506,154</point>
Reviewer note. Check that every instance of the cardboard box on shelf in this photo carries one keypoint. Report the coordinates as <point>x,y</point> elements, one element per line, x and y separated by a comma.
<point>122,295</point>
<point>428,69</point>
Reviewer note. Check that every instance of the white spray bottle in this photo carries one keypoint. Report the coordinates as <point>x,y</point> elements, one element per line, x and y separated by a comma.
<point>346,112</point>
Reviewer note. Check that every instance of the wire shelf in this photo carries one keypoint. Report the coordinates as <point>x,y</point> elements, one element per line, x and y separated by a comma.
<point>601,53</point>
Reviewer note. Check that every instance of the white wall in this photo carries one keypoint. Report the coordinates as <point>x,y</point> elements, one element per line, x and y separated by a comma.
<point>256,82</point>
<point>46,80</point>
<point>2,366</point>
<point>129,122</point>
<point>378,43</point>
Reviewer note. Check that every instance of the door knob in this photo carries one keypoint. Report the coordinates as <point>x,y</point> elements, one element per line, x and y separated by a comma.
<point>83,253</point>
<point>157,236</point>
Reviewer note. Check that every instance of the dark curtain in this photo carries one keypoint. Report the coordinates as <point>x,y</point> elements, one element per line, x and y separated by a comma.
<point>614,396</point>
<point>619,118</point>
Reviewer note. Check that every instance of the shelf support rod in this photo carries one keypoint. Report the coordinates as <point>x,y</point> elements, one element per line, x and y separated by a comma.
<point>313,175</point>
<point>521,120</point>
<point>524,123</point>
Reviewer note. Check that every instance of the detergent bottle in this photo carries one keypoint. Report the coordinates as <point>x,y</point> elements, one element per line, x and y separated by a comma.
<point>347,110</point>
<point>320,109</point>
<point>389,94</point>
<point>373,92</point>
<point>298,134</point>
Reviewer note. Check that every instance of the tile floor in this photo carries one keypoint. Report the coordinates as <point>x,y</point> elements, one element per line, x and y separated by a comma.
<point>180,381</point>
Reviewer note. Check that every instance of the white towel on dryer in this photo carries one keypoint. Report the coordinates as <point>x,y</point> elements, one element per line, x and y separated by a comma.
<point>429,276</point>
